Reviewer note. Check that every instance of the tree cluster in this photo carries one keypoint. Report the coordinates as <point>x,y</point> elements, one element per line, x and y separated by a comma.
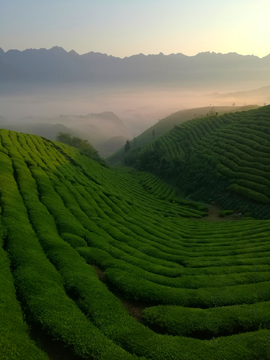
<point>83,145</point>
<point>190,172</point>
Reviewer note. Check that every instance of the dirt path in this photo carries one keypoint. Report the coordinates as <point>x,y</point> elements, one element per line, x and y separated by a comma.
<point>55,350</point>
<point>134,308</point>
<point>213,214</point>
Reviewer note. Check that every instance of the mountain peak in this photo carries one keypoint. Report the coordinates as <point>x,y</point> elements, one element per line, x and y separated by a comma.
<point>73,52</point>
<point>58,49</point>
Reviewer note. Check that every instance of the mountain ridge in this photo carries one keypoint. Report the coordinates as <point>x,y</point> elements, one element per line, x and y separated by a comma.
<point>56,65</point>
<point>59,49</point>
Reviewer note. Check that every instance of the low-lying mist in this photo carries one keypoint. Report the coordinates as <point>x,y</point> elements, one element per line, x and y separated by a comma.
<point>79,107</point>
<point>137,107</point>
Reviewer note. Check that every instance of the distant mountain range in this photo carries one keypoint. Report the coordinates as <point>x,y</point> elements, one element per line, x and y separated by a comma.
<point>59,66</point>
<point>254,94</point>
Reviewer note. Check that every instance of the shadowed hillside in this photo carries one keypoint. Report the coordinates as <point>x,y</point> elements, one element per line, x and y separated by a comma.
<point>223,158</point>
<point>166,124</point>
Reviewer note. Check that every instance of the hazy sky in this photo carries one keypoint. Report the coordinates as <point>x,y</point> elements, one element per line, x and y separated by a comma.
<point>126,27</point>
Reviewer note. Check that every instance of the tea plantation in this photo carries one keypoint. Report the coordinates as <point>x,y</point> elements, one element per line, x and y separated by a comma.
<point>205,286</point>
<point>216,158</point>
<point>166,124</point>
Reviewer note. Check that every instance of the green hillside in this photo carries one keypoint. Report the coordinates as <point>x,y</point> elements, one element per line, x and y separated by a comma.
<point>84,246</point>
<point>175,119</point>
<point>46,130</point>
<point>222,158</point>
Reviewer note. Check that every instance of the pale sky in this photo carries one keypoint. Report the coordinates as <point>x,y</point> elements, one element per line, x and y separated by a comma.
<point>125,27</point>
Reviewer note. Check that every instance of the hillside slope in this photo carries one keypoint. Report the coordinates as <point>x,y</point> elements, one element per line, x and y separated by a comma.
<point>46,130</point>
<point>166,124</point>
<point>98,129</point>
<point>63,216</point>
<point>216,157</point>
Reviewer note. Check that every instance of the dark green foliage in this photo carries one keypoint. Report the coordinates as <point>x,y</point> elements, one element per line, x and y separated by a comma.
<point>216,158</point>
<point>15,342</point>
<point>223,213</point>
<point>130,158</point>
<point>83,145</point>
<point>127,146</point>
<point>251,194</point>
<point>219,321</point>
<point>137,288</point>
<point>171,121</point>
<point>194,174</point>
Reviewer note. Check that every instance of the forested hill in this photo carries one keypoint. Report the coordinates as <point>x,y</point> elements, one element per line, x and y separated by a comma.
<point>106,264</point>
<point>223,158</point>
<point>166,124</point>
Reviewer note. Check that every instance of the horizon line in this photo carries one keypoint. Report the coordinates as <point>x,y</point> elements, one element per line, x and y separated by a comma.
<point>137,54</point>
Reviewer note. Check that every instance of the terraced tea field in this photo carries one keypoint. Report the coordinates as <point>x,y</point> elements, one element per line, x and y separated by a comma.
<point>228,154</point>
<point>204,286</point>
<point>168,123</point>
